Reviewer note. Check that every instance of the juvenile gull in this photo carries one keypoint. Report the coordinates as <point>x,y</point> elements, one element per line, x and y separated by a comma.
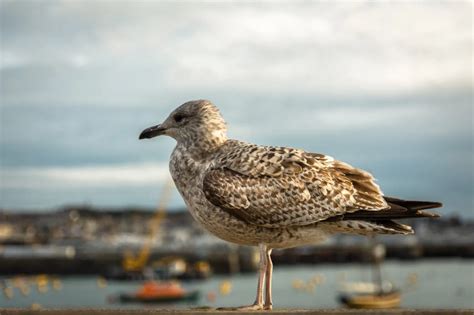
<point>272,197</point>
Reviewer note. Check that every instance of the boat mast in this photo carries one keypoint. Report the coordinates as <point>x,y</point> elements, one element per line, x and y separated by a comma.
<point>378,255</point>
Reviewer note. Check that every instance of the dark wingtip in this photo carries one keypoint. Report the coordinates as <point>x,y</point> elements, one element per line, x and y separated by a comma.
<point>422,205</point>
<point>413,204</point>
<point>437,204</point>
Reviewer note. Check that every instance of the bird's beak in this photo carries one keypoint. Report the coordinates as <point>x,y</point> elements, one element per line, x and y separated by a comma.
<point>152,132</point>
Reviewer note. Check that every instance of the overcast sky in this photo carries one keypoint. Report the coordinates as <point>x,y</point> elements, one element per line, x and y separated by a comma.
<point>384,86</point>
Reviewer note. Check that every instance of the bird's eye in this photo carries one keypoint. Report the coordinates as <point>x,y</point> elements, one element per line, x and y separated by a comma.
<point>178,118</point>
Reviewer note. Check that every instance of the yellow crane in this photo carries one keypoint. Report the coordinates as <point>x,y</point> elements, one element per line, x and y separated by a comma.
<point>132,263</point>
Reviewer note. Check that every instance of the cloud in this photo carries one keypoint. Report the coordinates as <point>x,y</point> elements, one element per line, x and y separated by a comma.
<point>84,176</point>
<point>105,52</point>
<point>330,49</point>
<point>46,188</point>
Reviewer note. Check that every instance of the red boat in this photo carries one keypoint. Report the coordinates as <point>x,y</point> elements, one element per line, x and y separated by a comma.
<point>156,292</point>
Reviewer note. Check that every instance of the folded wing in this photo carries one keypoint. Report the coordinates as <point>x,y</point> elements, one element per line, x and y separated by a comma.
<point>278,187</point>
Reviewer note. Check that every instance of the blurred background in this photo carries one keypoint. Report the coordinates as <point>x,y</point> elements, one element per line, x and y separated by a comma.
<point>386,87</point>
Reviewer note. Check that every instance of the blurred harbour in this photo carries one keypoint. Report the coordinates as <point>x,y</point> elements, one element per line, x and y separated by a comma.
<point>97,241</point>
<point>439,284</point>
<point>87,257</point>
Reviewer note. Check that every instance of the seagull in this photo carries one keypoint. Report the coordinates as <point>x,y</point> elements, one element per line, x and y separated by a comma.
<point>272,197</point>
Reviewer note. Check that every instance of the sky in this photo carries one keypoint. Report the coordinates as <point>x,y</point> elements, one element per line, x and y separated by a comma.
<point>384,86</point>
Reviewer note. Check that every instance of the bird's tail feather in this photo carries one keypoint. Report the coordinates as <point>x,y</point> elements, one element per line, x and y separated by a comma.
<point>363,227</point>
<point>366,222</point>
<point>412,204</point>
<point>399,209</point>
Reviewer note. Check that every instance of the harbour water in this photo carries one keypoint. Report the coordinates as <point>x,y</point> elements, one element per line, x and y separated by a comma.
<point>425,284</point>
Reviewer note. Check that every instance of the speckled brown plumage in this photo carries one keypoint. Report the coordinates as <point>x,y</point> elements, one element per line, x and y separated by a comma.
<point>278,187</point>
<point>272,197</point>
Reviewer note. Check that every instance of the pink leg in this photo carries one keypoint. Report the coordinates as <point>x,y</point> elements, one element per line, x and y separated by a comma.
<point>261,276</point>
<point>268,280</point>
<point>258,304</point>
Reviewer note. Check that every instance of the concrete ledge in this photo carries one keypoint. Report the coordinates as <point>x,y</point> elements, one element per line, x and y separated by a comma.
<point>204,311</point>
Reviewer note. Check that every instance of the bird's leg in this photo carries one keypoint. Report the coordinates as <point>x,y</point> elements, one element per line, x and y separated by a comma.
<point>268,280</point>
<point>262,270</point>
<point>261,275</point>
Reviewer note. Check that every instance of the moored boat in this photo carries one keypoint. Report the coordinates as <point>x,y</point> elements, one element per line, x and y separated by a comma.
<point>160,292</point>
<point>370,300</point>
<point>375,294</point>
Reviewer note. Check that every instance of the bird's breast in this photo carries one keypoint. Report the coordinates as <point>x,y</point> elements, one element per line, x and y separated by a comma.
<point>187,173</point>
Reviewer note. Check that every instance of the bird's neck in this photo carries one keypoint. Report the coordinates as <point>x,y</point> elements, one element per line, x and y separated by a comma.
<point>201,145</point>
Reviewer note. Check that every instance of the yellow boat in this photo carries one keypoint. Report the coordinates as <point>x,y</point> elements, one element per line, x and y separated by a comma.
<point>376,294</point>
<point>372,300</point>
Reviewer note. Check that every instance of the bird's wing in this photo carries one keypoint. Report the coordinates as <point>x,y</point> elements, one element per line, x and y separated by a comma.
<point>277,187</point>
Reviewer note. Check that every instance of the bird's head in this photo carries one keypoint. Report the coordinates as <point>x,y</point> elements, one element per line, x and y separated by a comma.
<point>195,123</point>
